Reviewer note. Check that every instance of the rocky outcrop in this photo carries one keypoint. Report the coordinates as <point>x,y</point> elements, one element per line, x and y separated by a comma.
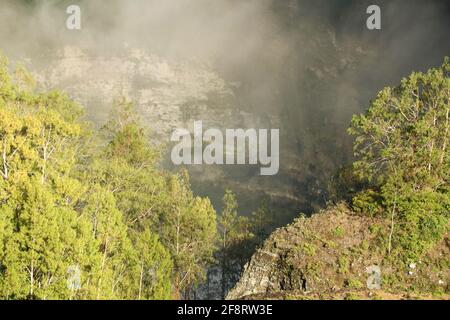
<point>336,254</point>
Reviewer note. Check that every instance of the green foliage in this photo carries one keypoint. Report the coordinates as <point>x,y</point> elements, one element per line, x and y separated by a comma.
<point>189,230</point>
<point>343,264</point>
<point>368,202</point>
<point>152,199</point>
<point>235,242</point>
<point>42,233</point>
<point>354,283</point>
<point>86,215</point>
<point>402,148</point>
<point>353,296</point>
<point>339,231</point>
<point>262,220</point>
<point>154,267</point>
<point>233,229</point>
<point>345,184</point>
<point>43,241</point>
<point>308,249</point>
<point>126,165</point>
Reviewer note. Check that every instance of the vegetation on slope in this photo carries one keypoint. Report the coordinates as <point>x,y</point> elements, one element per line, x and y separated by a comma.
<point>396,227</point>
<point>89,215</point>
<point>333,254</point>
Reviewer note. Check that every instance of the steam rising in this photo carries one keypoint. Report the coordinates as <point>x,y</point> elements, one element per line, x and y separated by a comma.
<point>301,66</point>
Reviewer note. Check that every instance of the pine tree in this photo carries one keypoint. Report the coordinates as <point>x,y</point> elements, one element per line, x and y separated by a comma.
<point>234,240</point>
<point>126,166</point>
<point>402,149</point>
<point>154,267</point>
<point>90,216</point>
<point>188,229</point>
<point>42,233</point>
<point>261,221</point>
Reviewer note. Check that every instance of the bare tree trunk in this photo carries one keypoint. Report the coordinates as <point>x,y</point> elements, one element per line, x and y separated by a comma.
<point>392,225</point>
<point>32,278</point>
<point>140,280</point>
<point>432,145</point>
<point>444,146</point>
<point>223,279</point>
<point>102,267</point>
<point>5,162</point>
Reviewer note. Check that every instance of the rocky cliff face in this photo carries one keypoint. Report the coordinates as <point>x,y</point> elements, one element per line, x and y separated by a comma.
<point>336,254</point>
<point>163,92</point>
<point>168,95</point>
<point>172,94</point>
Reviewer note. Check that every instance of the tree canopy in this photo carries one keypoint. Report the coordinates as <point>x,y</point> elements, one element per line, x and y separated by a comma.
<point>402,150</point>
<point>87,214</point>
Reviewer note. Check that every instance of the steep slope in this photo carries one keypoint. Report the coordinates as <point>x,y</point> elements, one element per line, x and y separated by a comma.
<point>335,254</point>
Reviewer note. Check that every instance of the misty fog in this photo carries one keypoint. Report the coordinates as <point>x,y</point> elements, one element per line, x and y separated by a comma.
<point>301,66</point>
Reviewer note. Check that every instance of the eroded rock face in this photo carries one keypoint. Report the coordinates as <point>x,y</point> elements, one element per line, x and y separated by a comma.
<point>302,256</point>
<point>172,94</point>
<point>163,92</point>
<point>257,274</point>
<point>168,95</point>
<point>328,256</point>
